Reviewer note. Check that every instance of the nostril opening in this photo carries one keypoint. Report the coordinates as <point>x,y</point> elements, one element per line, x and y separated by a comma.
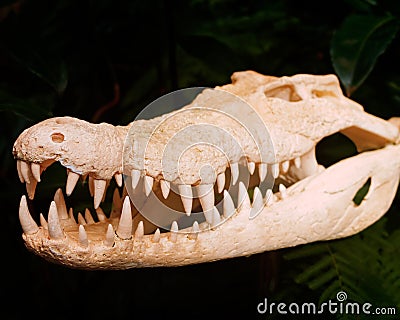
<point>57,137</point>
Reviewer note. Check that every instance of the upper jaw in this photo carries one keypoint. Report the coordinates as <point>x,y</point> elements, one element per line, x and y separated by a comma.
<point>101,244</point>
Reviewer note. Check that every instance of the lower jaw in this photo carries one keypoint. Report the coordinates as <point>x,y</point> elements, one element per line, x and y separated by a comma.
<point>317,208</point>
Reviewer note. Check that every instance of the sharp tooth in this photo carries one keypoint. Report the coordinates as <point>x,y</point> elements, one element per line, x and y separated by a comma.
<point>221,182</point>
<point>309,164</point>
<point>83,238</point>
<point>269,197</point>
<point>71,215</point>
<point>165,187</point>
<point>216,218</point>
<point>19,170</point>
<point>28,225</point>
<point>116,205</point>
<point>60,202</point>
<point>262,171</point>
<point>275,170</point>
<point>243,196</point>
<point>285,166</point>
<point>35,167</point>
<point>100,214</point>
<point>135,174</point>
<point>195,231</point>
<point>72,179</point>
<point>282,190</point>
<point>186,193</point>
<point>124,230</point>
<point>43,222</point>
<point>148,184</point>
<point>257,203</point>
<point>91,186</point>
<point>205,192</point>
<point>174,231</point>
<point>228,205</point>
<point>81,219</point>
<point>139,233</point>
<point>118,179</point>
<point>54,226</point>
<point>156,236</point>
<point>251,166</point>
<point>99,191</point>
<point>234,172</point>
<point>31,188</point>
<point>109,241</point>
<point>26,171</point>
<point>88,217</point>
<point>297,162</point>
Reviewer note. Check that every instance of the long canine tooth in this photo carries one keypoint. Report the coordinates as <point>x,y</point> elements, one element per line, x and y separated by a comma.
<point>186,193</point>
<point>28,225</point>
<point>262,171</point>
<point>156,236</point>
<point>269,197</point>
<point>118,179</point>
<point>81,219</point>
<point>297,162</point>
<point>221,182</point>
<point>31,188</point>
<point>205,193</point>
<point>165,188</point>
<point>99,190</point>
<point>19,170</point>
<point>282,190</point>
<point>309,164</point>
<point>243,196</point>
<point>139,233</point>
<point>148,184</point>
<point>83,238</point>
<point>71,215</point>
<point>35,167</point>
<point>228,205</point>
<point>88,217</point>
<point>43,221</point>
<point>54,226</point>
<point>258,203</point>
<point>234,172</point>
<point>251,166</point>
<point>216,218</point>
<point>135,174</point>
<point>174,231</point>
<point>26,171</point>
<point>72,179</point>
<point>275,170</point>
<point>100,214</point>
<point>60,202</point>
<point>195,231</point>
<point>124,230</point>
<point>285,166</point>
<point>109,241</point>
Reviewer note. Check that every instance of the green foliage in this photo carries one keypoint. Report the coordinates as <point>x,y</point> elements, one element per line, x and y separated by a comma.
<point>365,266</point>
<point>357,44</point>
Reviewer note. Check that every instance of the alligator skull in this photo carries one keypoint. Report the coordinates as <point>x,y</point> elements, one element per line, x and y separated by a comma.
<point>308,202</point>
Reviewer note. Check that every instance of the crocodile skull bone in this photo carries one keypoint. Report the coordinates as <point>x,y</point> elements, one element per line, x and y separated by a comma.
<point>312,203</point>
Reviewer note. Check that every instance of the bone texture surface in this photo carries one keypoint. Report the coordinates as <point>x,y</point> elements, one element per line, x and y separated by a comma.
<point>294,200</point>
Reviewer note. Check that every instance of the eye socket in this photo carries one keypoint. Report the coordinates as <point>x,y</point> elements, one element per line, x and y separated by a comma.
<point>57,137</point>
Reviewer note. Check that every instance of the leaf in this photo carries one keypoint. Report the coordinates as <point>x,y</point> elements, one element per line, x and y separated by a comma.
<point>357,44</point>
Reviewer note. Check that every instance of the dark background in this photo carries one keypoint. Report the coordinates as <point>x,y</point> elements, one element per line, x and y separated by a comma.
<point>104,61</point>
